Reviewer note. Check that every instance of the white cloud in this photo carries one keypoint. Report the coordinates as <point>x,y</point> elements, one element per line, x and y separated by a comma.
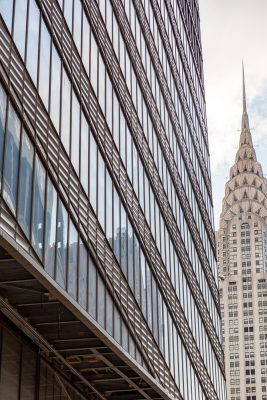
<point>233,30</point>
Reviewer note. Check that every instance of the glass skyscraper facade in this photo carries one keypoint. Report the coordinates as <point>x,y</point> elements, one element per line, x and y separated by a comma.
<point>107,250</point>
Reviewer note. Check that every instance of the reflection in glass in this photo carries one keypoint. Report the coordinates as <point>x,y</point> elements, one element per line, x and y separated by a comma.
<point>101,191</point>
<point>2,125</point>
<point>50,228</point>
<point>83,266</point>
<point>84,150</point>
<point>65,111</point>
<point>32,40</point>
<point>75,132</point>
<point>92,289</point>
<point>20,25</point>
<point>109,208</point>
<point>92,172</point>
<point>11,159</point>
<point>44,64</point>
<point>62,238</point>
<point>25,184</point>
<point>55,88</point>
<point>72,260</point>
<point>6,7</point>
<point>38,207</point>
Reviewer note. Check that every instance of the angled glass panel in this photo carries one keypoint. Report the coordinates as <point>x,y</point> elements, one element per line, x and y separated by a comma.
<point>92,288</point>
<point>11,159</point>
<point>84,151</point>
<point>2,125</point>
<point>101,191</point>
<point>109,208</point>
<point>44,64</point>
<point>25,184</point>
<point>38,207</point>
<point>62,244</point>
<point>72,261</point>
<point>33,40</point>
<point>6,11</point>
<point>19,33</point>
<point>83,275</point>
<point>75,132</point>
<point>92,172</point>
<point>55,88</point>
<point>65,111</point>
<point>50,228</point>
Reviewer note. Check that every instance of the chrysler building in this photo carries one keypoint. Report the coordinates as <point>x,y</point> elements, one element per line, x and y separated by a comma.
<point>242,264</point>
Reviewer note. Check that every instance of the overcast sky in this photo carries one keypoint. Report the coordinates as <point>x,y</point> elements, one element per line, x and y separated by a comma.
<point>233,30</point>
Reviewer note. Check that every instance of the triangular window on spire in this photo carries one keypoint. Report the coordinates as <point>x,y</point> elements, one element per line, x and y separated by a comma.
<point>245,195</point>
<point>245,182</point>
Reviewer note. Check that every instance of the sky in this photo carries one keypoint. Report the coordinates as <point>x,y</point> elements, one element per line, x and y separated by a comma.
<point>232,31</point>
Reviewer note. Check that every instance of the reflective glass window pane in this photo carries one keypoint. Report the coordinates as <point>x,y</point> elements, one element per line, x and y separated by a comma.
<point>84,151</point>
<point>72,260</point>
<point>86,43</point>
<point>2,124</point>
<point>93,63</point>
<point>77,26</point>
<point>62,239</point>
<point>92,172</point>
<point>68,4</point>
<point>19,33</point>
<point>92,289</point>
<point>55,88</point>
<point>109,208</point>
<point>25,184</point>
<point>83,267</point>
<point>75,132</point>
<point>116,225</point>
<point>44,64</point>
<point>33,39</point>
<point>6,10</point>
<point>109,313</point>
<point>38,207</point>
<point>101,301</point>
<point>11,159</point>
<point>101,191</point>
<point>123,233</point>
<point>65,111</point>
<point>101,83</point>
<point>130,263</point>
<point>50,228</point>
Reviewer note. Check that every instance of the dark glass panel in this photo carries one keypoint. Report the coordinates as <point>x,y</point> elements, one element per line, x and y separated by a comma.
<point>10,360</point>
<point>28,374</point>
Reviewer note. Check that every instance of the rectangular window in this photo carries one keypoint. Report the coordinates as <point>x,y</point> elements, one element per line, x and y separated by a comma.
<point>25,184</point>
<point>11,159</point>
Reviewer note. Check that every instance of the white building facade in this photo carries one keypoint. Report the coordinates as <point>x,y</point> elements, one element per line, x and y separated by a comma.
<point>242,263</point>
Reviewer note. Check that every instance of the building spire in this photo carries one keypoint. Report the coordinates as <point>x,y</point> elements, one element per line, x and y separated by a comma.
<point>245,122</point>
<point>245,137</point>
